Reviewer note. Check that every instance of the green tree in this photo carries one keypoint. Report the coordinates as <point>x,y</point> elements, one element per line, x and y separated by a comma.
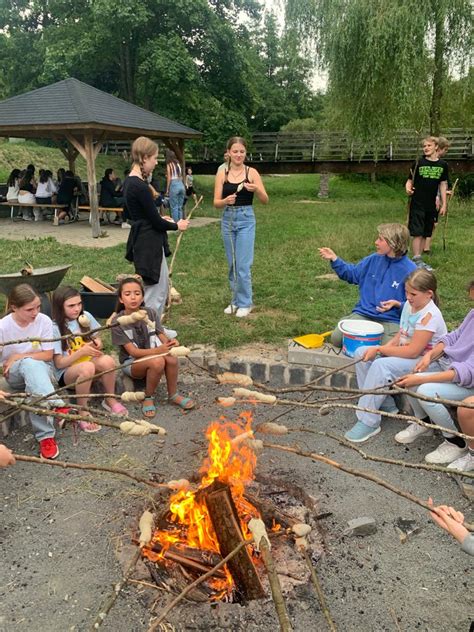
<point>387,62</point>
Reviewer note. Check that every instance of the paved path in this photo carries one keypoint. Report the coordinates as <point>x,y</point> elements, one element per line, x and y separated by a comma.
<point>77,233</point>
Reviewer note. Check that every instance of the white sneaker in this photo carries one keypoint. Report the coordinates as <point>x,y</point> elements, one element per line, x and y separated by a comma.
<point>464,464</point>
<point>230,309</point>
<point>126,225</point>
<point>445,453</point>
<point>412,432</point>
<point>242,312</point>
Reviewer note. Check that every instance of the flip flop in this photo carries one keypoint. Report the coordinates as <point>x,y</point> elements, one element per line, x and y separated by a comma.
<point>185,403</point>
<point>148,408</point>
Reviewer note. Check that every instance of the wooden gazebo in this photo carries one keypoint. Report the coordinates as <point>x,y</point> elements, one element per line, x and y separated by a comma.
<point>80,118</point>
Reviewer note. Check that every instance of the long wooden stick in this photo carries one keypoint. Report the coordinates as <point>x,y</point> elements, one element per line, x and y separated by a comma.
<point>275,587</point>
<point>90,466</point>
<point>319,591</point>
<point>379,459</point>
<point>326,407</point>
<point>164,613</point>
<point>180,237</point>
<point>105,609</point>
<point>366,475</point>
<point>445,224</point>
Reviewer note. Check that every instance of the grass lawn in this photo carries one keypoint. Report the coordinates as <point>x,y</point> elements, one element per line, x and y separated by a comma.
<point>289,298</point>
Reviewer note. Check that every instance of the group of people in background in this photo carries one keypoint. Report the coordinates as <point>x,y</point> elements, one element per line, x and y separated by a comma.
<point>400,293</point>
<point>24,187</point>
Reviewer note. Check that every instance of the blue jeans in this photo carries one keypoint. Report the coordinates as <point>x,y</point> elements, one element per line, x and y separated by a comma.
<point>34,377</point>
<point>438,413</point>
<point>176,193</point>
<point>238,233</point>
<point>382,371</point>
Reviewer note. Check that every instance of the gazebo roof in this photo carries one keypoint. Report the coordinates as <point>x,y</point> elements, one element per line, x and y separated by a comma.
<point>71,105</point>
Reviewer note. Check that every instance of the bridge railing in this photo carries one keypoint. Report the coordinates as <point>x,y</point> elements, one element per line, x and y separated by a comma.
<point>313,146</point>
<point>316,146</point>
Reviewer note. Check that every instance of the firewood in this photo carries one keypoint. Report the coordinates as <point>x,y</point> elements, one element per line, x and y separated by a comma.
<point>91,285</point>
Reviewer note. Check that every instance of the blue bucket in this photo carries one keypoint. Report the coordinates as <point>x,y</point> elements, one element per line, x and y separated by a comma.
<point>359,333</point>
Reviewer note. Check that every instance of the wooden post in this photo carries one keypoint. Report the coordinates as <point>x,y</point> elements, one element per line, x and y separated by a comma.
<point>324,185</point>
<point>92,182</point>
<point>226,524</point>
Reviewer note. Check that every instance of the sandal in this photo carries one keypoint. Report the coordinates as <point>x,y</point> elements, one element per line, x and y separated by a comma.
<point>148,408</point>
<point>185,403</point>
<point>116,409</point>
<point>88,426</point>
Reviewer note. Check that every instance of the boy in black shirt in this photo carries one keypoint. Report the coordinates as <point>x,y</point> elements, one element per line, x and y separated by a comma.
<point>427,175</point>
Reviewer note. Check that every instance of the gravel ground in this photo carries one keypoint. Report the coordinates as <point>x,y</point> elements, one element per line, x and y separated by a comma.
<point>65,533</point>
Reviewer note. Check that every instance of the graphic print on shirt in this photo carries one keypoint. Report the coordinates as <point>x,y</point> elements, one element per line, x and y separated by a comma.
<point>74,344</point>
<point>430,171</point>
<point>408,323</point>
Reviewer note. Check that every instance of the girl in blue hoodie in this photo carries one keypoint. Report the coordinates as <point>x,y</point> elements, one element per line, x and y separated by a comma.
<point>380,277</point>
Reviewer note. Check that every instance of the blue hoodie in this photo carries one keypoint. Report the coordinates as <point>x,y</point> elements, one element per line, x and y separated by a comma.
<point>380,278</point>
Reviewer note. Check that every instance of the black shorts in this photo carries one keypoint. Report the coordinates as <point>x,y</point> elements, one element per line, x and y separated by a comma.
<point>189,191</point>
<point>421,222</point>
<point>436,217</point>
<point>61,381</point>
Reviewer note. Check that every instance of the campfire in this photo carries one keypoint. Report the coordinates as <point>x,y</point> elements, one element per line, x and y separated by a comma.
<point>202,526</point>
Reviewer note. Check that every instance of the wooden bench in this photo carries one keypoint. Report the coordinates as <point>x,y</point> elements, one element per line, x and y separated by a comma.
<point>14,205</point>
<point>103,209</point>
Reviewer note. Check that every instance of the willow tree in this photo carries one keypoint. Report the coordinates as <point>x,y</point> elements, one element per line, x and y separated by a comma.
<point>388,62</point>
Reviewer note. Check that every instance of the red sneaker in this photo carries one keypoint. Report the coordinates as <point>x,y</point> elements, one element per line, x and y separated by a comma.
<point>49,448</point>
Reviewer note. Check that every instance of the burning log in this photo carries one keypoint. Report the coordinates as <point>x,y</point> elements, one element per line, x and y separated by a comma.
<point>225,520</point>
<point>182,557</point>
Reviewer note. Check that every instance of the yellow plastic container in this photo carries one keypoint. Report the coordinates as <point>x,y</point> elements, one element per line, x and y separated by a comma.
<point>312,341</point>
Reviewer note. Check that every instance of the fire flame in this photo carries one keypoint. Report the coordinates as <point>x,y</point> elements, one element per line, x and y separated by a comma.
<point>229,460</point>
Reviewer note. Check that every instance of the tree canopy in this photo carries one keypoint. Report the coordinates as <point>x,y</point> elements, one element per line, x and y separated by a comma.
<point>388,63</point>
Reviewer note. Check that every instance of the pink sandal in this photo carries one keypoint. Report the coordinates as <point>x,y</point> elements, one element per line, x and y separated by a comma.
<point>89,426</point>
<point>116,409</point>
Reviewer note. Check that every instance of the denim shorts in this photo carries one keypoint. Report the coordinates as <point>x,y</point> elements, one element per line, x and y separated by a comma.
<point>127,369</point>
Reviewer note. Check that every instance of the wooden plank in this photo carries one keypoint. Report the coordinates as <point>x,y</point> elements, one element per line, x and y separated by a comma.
<point>226,524</point>
<point>94,286</point>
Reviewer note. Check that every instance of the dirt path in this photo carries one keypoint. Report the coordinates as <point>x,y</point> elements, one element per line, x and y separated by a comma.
<point>62,530</point>
<point>76,233</point>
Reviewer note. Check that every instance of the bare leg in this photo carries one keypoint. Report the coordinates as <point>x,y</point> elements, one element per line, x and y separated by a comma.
<point>78,372</point>
<point>104,363</point>
<point>152,370</point>
<point>417,246</point>
<point>171,372</point>
<point>466,420</point>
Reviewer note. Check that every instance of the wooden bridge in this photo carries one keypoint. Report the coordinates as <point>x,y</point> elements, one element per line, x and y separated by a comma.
<point>334,152</point>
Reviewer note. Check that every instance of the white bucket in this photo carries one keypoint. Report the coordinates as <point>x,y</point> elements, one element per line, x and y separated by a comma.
<point>359,333</point>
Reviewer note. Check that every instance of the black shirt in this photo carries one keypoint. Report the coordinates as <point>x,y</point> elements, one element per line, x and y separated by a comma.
<point>141,206</point>
<point>244,197</point>
<point>429,173</point>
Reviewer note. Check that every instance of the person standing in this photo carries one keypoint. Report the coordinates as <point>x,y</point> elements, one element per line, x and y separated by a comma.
<point>234,190</point>
<point>147,238</point>
<point>174,185</point>
<point>427,175</point>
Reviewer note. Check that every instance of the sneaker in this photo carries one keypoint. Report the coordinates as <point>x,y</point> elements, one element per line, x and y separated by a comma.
<point>445,453</point>
<point>243,312</point>
<point>27,218</point>
<point>360,432</point>
<point>125,225</point>
<point>230,309</point>
<point>412,432</point>
<point>49,448</point>
<point>464,464</point>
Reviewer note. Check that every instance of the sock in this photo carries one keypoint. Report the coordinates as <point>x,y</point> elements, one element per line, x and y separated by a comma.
<point>456,441</point>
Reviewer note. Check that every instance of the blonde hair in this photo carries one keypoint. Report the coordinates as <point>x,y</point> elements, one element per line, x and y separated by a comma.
<point>443,143</point>
<point>423,281</point>
<point>431,139</point>
<point>143,147</point>
<point>236,139</point>
<point>397,237</point>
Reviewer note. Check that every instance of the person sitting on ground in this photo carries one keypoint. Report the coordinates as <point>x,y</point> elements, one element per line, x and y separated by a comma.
<point>421,327</point>
<point>80,357</point>
<point>140,340</point>
<point>380,278</point>
<point>13,184</point>
<point>67,190</point>
<point>452,521</point>
<point>26,194</point>
<point>447,372</point>
<point>110,193</point>
<point>27,365</point>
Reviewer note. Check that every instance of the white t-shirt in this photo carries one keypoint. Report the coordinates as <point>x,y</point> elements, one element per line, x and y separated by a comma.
<point>41,327</point>
<point>45,189</point>
<point>73,344</point>
<point>429,318</point>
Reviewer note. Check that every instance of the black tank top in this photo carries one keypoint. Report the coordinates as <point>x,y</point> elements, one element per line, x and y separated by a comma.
<point>244,197</point>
